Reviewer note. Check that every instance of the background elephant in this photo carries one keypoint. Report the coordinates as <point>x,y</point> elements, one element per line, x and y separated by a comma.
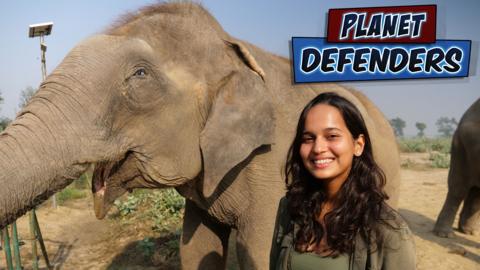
<point>463,177</point>
<point>166,98</point>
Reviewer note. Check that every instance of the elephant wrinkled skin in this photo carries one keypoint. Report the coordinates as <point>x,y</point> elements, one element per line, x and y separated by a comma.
<point>166,98</point>
<point>463,178</point>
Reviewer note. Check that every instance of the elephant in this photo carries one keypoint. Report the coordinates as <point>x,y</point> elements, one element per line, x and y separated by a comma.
<point>166,98</point>
<point>463,178</point>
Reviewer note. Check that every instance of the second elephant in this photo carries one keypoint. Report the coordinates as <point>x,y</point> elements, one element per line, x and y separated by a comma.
<point>463,177</point>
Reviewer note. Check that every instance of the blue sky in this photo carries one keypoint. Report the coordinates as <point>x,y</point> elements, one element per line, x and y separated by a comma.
<point>267,24</point>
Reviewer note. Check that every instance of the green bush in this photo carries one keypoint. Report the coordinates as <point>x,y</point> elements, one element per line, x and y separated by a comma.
<point>164,208</point>
<point>83,182</point>
<point>127,206</point>
<point>423,145</point>
<point>70,193</point>
<point>418,145</point>
<point>147,247</point>
<point>441,145</point>
<point>439,160</point>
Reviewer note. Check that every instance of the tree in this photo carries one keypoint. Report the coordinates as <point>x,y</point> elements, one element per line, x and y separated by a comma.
<point>421,127</point>
<point>446,126</point>
<point>26,95</point>
<point>4,121</point>
<point>398,125</point>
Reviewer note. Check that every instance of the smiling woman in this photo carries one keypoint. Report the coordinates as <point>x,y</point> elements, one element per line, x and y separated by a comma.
<point>334,215</point>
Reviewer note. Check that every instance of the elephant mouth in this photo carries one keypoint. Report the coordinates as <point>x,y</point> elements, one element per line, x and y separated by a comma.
<point>111,180</point>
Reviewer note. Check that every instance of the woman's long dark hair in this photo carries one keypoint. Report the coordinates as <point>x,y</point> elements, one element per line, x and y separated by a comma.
<point>360,200</point>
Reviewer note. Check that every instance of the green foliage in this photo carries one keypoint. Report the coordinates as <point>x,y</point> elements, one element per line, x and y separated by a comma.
<point>26,95</point>
<point>398,125</point>
<point>78,189</point>
<point>163,208</point>
<point>147,247</point>
<point>438,150</point>
<point>166,209</point>
<point>439,160</point>
<point>424,145</point>
<point>70,193</point>
<point>4,122</point>
<point>441,145</point>
<point>421,127</point>
<point>127,206</point>
<point>446,126</point>
<point>83,182</point>
<point>162,212</point>
<point>418,145</point>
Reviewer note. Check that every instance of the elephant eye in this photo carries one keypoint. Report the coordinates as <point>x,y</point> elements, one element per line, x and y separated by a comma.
<point>141,72</point>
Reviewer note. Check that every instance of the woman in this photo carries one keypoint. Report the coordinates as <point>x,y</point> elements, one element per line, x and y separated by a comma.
<point>334,214</point>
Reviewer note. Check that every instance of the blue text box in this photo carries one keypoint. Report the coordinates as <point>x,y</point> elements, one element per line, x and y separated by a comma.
<point>316,60</point>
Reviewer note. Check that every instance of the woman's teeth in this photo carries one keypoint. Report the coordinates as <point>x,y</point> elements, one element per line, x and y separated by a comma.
<point>322,161</point>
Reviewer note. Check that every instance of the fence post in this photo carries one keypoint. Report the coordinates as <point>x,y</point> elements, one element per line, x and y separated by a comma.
<point>6,247</point>
<point>33,237</point>
<point>40,240</point>
<point>16,247</point>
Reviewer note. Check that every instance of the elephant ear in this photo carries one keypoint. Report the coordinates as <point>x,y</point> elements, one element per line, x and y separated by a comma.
<point>241,119</point>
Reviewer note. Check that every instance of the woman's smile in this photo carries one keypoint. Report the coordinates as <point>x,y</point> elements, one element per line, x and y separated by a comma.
<point>322,163</point>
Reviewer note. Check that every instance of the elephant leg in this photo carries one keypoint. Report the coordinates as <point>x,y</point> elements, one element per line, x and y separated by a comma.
<point>204,241</point>
<point>470,216</point>
<point>254,239</point>
<point>443,226</point>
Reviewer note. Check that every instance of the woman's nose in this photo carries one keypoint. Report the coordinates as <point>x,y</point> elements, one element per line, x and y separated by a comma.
<point>320,146</point>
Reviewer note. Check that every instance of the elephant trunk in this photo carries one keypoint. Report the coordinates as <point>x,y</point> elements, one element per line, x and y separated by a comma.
<point>45,148</point>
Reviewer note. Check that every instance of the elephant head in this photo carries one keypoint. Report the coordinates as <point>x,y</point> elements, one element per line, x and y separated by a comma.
<point>162,98</point>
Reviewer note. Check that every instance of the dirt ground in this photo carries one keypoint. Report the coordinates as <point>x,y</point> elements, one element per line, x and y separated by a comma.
<point>75,239</point>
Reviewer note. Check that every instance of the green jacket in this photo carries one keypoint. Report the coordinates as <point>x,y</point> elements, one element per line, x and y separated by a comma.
<point>397,251</point>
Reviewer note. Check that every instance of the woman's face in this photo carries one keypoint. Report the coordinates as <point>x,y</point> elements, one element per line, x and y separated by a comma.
<point>327,147</point>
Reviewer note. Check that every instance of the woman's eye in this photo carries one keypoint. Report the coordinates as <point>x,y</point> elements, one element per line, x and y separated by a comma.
<point>140,72</point>
<point>307,139</point>
<point>333,136</point>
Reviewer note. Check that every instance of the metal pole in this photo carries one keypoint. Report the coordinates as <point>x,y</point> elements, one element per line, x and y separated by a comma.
<point>33,237</point>
<point>43,49</point>
<point>16,247</point>
<point>6,247</point>
<point>40,240</point>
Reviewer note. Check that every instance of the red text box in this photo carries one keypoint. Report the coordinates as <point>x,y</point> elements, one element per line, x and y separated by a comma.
<point>398,24</point>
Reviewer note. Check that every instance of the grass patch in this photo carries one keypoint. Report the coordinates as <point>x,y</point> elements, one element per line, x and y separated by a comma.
<point>159,213</point>
<point>78,189</point>
<point>424,145</point>
<point>70,193</point>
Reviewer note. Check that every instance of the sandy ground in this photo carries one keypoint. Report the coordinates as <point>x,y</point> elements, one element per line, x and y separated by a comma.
<point>422,193</point>
<point>75,239</point>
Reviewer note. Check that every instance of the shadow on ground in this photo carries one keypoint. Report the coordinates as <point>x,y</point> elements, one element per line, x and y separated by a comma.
<point>422,227</point>
<point>149,253</point>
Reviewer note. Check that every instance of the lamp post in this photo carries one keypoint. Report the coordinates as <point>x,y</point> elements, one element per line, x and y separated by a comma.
<point>41,30</point>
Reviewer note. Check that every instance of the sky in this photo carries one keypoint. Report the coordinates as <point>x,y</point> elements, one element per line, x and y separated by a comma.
<point>267,24</point>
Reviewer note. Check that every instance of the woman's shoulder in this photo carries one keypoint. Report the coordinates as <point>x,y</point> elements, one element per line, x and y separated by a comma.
<point>394,228</point>
<point>392,217</point>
